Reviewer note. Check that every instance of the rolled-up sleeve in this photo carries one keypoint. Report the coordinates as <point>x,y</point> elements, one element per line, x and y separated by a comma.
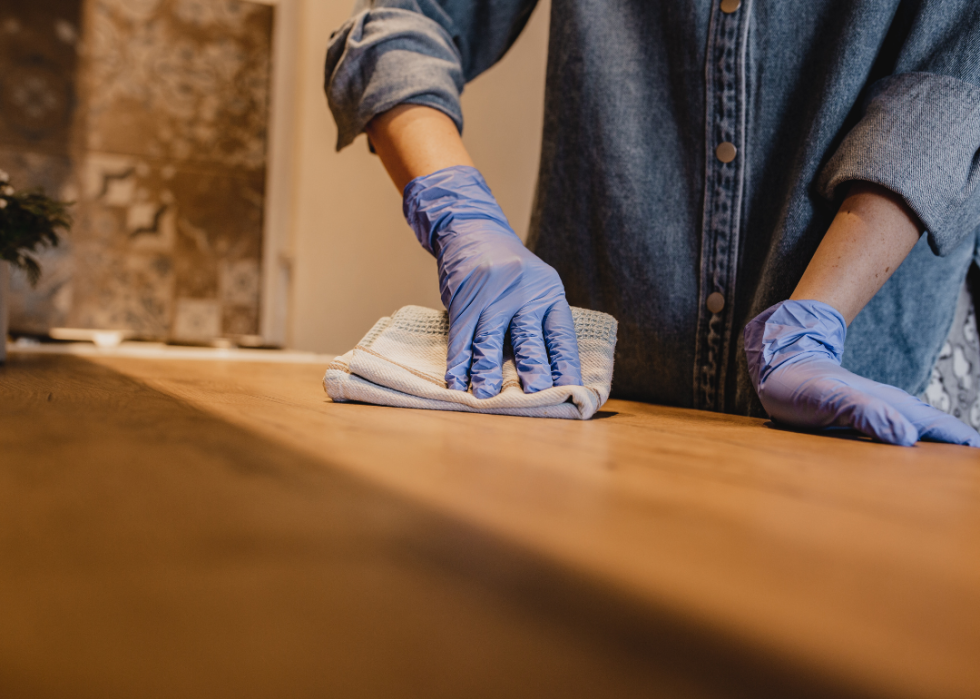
<point>393,52</point>
<point>920,138</point>
<point>919,135</point>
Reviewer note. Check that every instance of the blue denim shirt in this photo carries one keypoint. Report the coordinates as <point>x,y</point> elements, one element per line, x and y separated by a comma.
<point>640,215</point>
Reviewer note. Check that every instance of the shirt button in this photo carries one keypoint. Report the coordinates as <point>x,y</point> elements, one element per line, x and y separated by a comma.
<point>730,6</point>
<point>726,152</point>
<point>715,302</point>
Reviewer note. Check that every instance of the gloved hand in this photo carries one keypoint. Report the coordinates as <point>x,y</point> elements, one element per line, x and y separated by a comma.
<point>794,352</point>
<point>490,283</point>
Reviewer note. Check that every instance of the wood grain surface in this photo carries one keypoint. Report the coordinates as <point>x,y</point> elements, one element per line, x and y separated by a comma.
<point>208,529</point>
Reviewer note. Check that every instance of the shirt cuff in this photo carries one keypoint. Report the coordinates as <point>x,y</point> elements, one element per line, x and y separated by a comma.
<point>920,138</point>
<point>382,58</point>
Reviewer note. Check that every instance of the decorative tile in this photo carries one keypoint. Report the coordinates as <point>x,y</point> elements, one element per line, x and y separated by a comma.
<point>113,290</point>
<point>127,204</point>
<point>240,320</point>
<point>196,320</point>
<point>219,218</point>
<point>181,79</point>
<point>220,210</point>
<point>53,172</point>
<point>239,282</point>
<point>197,272</point>
<point>38,69</point>
<point>199,219</point>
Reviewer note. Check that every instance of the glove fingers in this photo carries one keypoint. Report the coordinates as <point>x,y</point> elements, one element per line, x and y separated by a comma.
<point>937,426</point>
<point>460,352</point>
<point>530,355</point>
<point>952,431</point>
<point>486,370</point>
<point>562,343</point>
<point>929,422</point>
<point>876,418</point>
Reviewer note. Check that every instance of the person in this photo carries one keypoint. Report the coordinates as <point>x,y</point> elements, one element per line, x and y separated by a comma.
<point>743,184</point>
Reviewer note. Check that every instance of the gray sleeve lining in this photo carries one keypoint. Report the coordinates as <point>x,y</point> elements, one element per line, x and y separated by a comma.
<point>920,138</point>
<point>385,57</point>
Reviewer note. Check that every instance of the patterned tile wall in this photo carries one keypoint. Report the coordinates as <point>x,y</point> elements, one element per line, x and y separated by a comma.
<point>161,140</point>
<point>39,61</point>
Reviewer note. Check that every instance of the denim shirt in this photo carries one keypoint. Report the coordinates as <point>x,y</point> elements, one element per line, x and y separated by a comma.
<point>694,154</point>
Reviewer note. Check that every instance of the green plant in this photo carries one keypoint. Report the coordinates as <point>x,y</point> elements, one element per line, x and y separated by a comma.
<point>29,222</point>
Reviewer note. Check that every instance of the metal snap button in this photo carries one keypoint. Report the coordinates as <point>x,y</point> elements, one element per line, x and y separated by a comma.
<point>715,302</point>
<point>730,6</point>
<point>726,152</point>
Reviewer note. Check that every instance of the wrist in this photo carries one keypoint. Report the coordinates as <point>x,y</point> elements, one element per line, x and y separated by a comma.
<point>791,330</point>
<point>438,205</point>
<point>414,140</point>
<point>874,230</point>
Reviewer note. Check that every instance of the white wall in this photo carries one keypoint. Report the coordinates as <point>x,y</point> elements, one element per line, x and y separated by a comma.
<point>353,257</point>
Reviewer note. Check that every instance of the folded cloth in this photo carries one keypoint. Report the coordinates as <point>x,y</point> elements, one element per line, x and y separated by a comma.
<point>401,362</point>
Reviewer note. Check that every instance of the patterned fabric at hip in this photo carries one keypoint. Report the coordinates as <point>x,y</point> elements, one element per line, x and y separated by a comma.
<point>954,386</point>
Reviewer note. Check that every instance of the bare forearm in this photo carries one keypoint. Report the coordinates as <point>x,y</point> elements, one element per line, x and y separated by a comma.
<point>872,234</point>
<point>413,141</point>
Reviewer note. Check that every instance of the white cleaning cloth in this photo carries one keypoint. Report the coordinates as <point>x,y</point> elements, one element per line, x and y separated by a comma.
<point>401,362</point>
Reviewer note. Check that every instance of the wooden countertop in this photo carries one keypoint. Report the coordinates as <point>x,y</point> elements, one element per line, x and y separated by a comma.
<point>211,529</point>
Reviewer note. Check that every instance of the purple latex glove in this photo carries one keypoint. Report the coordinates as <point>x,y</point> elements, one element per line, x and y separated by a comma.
<point>490,283</point>
<point>794,352</point>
